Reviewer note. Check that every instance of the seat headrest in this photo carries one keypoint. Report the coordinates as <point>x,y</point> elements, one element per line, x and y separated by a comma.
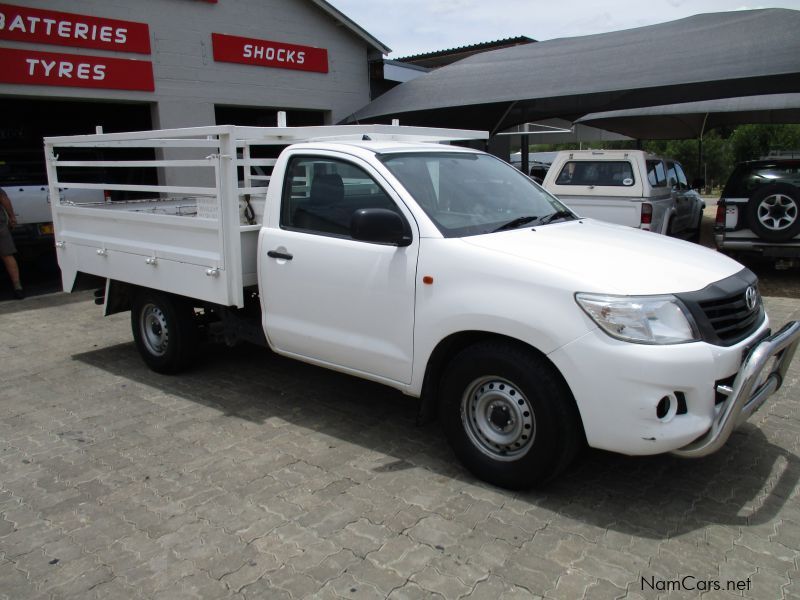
<point>327,189</point>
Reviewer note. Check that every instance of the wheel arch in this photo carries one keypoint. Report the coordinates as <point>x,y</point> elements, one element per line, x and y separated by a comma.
<point>119,295</point>
<point>455,343</point>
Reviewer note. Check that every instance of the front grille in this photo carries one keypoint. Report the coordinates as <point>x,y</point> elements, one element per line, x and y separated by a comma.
<point>730,318</point>
<point>720,310</point>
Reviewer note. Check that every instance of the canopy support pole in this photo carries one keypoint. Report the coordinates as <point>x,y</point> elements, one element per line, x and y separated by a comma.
<point>496,128</point>
<point>523,151</point>
<point>700,147</point>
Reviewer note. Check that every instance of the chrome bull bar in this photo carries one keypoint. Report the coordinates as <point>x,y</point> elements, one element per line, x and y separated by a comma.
<point>750,389</point>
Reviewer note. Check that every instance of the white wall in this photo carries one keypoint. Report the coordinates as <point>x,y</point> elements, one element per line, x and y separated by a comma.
<point>188,83</point>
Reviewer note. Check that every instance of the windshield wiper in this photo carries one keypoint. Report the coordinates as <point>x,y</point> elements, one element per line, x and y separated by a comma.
<point>513,224</point>
<point>559,214</point>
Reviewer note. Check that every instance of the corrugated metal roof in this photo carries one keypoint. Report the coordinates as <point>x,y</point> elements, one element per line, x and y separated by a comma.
<point>520,39</point>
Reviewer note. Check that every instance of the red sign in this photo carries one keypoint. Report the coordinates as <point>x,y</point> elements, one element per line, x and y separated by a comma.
<point>249,51</point>
<point>29,67</point>
<point>24,24</point>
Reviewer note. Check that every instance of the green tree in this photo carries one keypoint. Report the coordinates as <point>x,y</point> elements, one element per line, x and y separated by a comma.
<point>749,142</point>
<point>714,165</point>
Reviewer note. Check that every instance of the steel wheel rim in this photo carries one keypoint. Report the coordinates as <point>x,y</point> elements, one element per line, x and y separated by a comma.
<point>153,326</point>
<point>498,418</point>
<point>777,212</point>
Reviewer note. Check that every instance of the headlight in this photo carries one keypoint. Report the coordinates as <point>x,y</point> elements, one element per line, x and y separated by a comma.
<point>640,319</point>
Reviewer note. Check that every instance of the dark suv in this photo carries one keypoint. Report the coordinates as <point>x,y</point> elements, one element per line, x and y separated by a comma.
<point>759,210</point>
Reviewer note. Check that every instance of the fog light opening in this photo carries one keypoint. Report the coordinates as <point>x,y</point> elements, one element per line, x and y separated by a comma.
<point>667,408</point>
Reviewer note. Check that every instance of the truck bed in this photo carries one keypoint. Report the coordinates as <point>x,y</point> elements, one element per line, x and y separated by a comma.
<point>160,244</point>
<point>188,238</point>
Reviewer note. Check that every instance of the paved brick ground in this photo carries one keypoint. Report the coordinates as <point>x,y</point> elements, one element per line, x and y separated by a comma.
<point>258,477</point>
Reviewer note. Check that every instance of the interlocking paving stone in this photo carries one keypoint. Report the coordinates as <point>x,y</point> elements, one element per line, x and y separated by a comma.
<point>253,476</point>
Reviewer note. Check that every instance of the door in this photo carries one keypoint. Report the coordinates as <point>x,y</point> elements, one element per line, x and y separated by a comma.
<point>328,297</point>
<point>684,202</point>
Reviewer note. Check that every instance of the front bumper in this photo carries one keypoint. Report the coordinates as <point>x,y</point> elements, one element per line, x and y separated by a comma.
<point>762,373</point>
<point>618,387</point>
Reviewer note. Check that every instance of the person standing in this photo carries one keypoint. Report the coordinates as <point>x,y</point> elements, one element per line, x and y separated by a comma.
<point>7,249</point>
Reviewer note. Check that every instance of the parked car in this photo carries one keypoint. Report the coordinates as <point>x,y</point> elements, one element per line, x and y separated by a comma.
<point>28,191</point>
<point>538,164</point>
<point>627,187</point>
<point>538,171</point>
<point>759,209</point>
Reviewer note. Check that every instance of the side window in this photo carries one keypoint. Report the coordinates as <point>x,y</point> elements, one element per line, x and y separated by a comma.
<point>779,173</point>
<point>682,182</point>
<point>321,194</point>
<point>656,174</point>
<point>672,176</point>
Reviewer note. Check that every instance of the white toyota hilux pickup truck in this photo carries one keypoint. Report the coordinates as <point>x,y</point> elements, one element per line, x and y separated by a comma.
<point>437,270</point>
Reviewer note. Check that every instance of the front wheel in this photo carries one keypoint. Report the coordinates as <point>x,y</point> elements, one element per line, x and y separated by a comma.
<point>508,415</point>
<point>164,330</point>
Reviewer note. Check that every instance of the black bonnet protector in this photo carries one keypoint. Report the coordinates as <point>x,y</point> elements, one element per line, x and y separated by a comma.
<point>726,311</point>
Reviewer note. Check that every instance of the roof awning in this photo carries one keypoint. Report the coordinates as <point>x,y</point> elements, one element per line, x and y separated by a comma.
<point>704,57</point>
<point>693,119</point>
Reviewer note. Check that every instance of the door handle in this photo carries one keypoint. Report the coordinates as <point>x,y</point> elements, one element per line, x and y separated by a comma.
<point>282,255</point>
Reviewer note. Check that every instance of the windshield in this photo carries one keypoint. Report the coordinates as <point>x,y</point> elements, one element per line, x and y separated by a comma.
<point>471,194</point>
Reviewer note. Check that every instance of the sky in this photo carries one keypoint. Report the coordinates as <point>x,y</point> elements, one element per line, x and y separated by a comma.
<point>416,26</point>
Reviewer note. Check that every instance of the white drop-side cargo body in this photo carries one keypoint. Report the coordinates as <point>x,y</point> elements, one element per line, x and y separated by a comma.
<point>382,252</point>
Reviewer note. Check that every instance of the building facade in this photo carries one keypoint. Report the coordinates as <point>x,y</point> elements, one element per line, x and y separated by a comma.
<point>69,66</point>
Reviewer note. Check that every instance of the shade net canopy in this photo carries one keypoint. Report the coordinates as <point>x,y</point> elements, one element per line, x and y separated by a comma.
<point>693,119</point>
<point>703,57</point>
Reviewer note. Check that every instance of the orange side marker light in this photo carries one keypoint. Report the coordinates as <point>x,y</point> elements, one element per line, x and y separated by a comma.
<point>427,280</point>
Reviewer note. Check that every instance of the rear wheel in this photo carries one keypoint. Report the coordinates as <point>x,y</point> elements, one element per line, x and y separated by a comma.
<point>508,415</point>
<point>164,330</point>
<point>774,212</point>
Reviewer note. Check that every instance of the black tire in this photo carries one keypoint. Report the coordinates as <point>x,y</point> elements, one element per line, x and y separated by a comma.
<point>773,212</point>
<point>497,384</point>
<point>164,330</point>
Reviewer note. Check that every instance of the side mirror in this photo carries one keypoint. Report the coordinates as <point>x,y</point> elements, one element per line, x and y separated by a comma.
<point>698,183</point>
<point>379,226</point>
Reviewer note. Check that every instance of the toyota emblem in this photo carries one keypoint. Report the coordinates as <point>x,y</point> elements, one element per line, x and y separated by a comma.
<point>751,298</point>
